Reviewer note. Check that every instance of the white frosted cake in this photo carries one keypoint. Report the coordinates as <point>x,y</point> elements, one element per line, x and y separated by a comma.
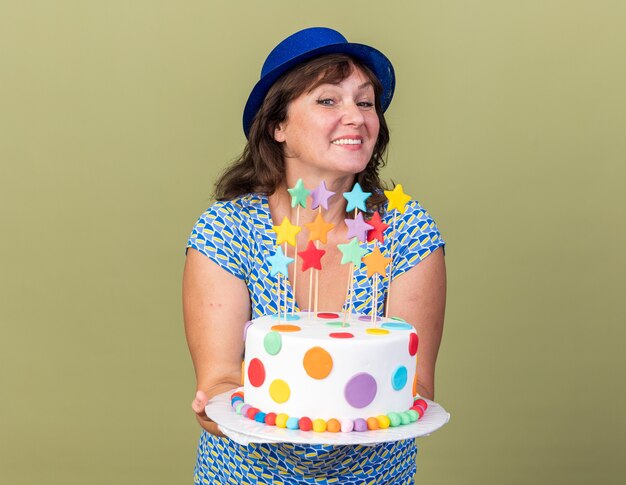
<point>321,372</point>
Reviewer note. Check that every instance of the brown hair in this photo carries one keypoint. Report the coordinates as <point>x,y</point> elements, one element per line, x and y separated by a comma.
<point>261,167</point>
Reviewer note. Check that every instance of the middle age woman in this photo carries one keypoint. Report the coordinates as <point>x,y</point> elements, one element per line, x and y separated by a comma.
<point>317,115</point>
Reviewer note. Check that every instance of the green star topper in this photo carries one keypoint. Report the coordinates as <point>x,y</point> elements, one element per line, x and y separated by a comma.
<point>299,193</point>
<point>352,252</point>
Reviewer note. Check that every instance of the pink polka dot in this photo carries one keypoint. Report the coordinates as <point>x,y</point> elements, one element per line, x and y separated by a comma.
<point>256,372</point>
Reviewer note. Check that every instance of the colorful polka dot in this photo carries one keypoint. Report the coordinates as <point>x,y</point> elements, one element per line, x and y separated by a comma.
<point>413,343</point>
<point>397,326</point>
<point>286,328</point>
<point>338,324</point>
<point>399,378</point>
<point>317,363</point>
<point>360,390</point>
<point>272,342</point>
<point>376,331</point>
<point>256,372</point>
<point>279,391</point>
<point>290,317</point>
<point>341,335</point>
<point>368,318</point>
<point>398,319</point>
<point>327,315</point>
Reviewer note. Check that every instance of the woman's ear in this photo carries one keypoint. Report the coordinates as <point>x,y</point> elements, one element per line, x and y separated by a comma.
<point>279,132</point>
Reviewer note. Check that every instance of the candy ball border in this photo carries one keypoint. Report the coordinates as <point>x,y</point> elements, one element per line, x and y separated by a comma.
<point>305,423</point>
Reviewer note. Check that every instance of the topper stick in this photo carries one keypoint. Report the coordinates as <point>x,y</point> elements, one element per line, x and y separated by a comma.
<point>310,287</point>
<point>393,234</point>
<point>279,297</point>
<point>345,312</point>
<point>295,267</point>
<point>317,272</point>
<point>286,279</point>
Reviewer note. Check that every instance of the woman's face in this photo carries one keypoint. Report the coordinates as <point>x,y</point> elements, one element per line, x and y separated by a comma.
<point>331,130</point>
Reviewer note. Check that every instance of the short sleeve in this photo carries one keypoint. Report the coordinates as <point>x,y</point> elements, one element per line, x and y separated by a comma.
<point>216,235</point>
<point>416,237</point>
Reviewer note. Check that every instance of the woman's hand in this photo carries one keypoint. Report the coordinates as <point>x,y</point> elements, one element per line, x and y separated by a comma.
<point>198,405</point>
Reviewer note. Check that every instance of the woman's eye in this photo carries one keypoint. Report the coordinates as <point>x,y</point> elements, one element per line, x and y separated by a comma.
<point>366,104</point>
<point>325,102</point>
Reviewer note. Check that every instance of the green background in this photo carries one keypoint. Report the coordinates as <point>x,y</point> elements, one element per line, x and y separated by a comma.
<point>507,124</point>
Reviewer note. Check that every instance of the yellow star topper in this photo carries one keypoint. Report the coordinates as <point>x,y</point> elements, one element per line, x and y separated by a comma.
<point>397,199</point>
<point>376,263</point>
<point>286,232</point>
<point>318,229</point>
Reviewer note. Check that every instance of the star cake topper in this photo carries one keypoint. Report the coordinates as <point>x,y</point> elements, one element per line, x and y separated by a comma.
<point>352,252</point>
<point>320,196</point>
<point>279,262</point>
<point>311,257</point>
<point>299,194</point>
<point>358,228</point>
<point>397,199</point>
<point>356,198</point>
<point>378,228</point>
<point>319,229</point>
<point>376,263</point>
<point>286,232</point>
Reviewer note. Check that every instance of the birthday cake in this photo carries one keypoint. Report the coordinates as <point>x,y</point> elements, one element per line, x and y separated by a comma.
<point>323,371</point>
<point>326,372</point>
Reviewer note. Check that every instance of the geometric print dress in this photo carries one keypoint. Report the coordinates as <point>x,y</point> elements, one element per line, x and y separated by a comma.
<point>237,235</point>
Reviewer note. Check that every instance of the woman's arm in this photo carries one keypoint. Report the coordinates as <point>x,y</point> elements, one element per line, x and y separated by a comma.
<point>419,297</point>
<point>216,305</point>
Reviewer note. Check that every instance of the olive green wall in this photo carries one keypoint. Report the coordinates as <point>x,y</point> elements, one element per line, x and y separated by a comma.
<point>507,124</point>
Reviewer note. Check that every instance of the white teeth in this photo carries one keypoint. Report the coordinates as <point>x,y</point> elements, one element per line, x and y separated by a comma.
<point>346,141</point>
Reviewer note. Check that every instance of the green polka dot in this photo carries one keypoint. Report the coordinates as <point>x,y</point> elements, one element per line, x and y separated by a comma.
<point>337,324</point>
<point>272,343</point>
<point>398,319</point>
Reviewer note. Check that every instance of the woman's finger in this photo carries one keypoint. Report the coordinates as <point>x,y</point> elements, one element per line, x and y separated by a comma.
<point>199,403</point>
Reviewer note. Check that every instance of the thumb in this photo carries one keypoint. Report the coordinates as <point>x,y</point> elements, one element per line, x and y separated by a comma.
<point>199,403</point>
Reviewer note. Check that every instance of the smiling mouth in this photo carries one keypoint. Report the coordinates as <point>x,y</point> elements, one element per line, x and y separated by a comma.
<point>347,141</point>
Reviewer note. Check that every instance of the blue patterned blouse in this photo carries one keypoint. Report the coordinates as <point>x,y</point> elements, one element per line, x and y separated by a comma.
<point>243,227</point>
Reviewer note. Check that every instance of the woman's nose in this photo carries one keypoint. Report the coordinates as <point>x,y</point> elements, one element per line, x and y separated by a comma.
<point>352,114</point>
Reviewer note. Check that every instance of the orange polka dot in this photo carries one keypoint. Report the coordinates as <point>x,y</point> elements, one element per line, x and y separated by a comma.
<point>286,328</point>
<point>317,363</point>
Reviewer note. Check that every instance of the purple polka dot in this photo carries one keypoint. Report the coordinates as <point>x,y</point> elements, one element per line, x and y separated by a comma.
<point>360,390</point>
<point>368,318</point>
<point>360,424</point>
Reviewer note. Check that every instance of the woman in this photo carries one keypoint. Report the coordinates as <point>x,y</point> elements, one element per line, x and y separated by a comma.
<point>316,115</point>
